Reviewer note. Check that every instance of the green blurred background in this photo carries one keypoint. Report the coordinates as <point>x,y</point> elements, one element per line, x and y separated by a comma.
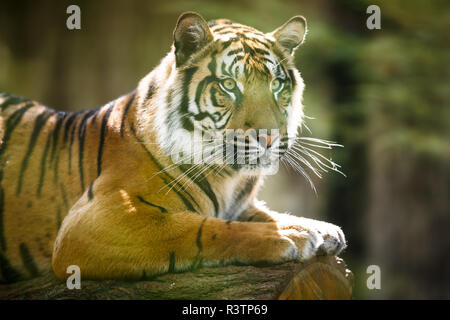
<point>384,94</point>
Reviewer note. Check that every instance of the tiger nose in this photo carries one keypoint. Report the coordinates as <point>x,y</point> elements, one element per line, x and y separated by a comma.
<point>267,140</point>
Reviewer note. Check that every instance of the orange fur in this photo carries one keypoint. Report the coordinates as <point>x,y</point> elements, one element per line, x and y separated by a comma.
<point>89,189</point>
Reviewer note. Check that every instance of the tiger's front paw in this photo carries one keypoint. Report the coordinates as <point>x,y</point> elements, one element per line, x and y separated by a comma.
<point>322,238</point>
<point>333,239</point>
<point>307,242</point>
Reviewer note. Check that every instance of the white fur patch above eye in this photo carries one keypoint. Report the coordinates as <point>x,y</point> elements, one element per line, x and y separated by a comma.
<point>241,87</point>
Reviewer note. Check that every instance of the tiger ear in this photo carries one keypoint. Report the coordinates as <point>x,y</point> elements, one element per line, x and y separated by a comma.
<point>191,33</point>
<point>291,34</point>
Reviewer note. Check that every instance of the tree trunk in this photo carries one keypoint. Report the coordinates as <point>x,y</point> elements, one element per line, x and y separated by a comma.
<point>320,278</point>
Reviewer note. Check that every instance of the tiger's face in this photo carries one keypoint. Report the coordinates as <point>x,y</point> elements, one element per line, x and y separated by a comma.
<point>237,92</point>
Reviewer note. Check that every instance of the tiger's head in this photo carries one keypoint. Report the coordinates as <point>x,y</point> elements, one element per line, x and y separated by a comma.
<point>231,87</point>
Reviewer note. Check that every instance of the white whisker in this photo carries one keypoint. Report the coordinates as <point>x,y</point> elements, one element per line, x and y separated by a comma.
<point>301,153</point>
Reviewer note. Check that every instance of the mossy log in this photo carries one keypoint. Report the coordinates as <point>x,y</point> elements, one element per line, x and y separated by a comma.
<point>320,278</point>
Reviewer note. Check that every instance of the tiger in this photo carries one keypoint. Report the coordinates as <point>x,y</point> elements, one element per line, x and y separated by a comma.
<point>100,189</point>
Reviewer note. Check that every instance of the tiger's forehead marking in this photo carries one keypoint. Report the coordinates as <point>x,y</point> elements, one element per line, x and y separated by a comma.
<point>247,51</point>
<point>235,31</point>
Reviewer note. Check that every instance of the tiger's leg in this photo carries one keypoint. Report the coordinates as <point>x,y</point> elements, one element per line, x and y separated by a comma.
<point>107,239</point>
<point>332,239</point>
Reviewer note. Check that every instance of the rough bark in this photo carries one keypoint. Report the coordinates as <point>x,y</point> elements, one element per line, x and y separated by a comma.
<point>320,278</point>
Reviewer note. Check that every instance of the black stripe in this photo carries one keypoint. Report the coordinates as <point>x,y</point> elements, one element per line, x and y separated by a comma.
<point>229,113</point>
<point>67,125</point>
<point>64,195</point>
<point>55,138</point>
<point>206,81</point>
<point>225,70</point>
<point>58,218</point>
<point>186,202</point>
<point>261,51</point>
<point>7,270</point>
<point>237,30</point>
<point>203,184</point>
<point>72,138</point>
<point>28,260</point>
<point>39,124</point>
<point>271,42</point>
<point>43,164</point>
<point>247,189</point>
<point>231,52</point>
<point>13,100</point>
<point>151,90</point>
<point>184,107</point>
<point>198,261</point>
<point>198,240</point>
<point>102,138</point>
<point>217,30</point>
<point>213,92</point>
<point>266,70</point>
<point>202,115</point>
<point>151,204</point>
<point>265,59</point>
<point>291,75</point>
<point>90,191</point>
<point>249,49</point>
<point>247,67</point>
<point>81,137</point>
<point>55,169</point>
<point>11,124</point>
<point>125,112</point>
<point>235,60</point>
<point>172,262</point>
<point>212,65</point>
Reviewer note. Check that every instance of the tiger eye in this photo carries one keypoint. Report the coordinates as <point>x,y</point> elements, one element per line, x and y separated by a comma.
<point>229,84</point>
<point>276,84</point>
